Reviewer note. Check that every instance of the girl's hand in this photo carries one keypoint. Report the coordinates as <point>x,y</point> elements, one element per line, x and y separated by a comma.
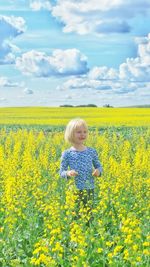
<point>96,173</point>
<point>72,173</point>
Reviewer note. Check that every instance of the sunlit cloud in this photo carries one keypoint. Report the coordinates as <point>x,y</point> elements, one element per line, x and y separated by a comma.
<point>129,77</point>
<point>86,16</point>
<point>5,82</point>
<point>37,5</point>
<point>61,62</point>
<point>138,69</point>
<point>10,28</point>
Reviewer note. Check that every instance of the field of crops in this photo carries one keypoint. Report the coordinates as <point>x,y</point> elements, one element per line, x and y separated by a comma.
<point>37,215</point>
<point>38,222</point>
<point>60,116</point>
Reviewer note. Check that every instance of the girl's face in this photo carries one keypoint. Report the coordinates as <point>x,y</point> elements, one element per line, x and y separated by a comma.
<point>80,135</point>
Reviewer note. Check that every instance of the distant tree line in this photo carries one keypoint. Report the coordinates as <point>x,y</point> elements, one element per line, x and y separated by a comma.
<point>88,105</point>
<point>107,106</point>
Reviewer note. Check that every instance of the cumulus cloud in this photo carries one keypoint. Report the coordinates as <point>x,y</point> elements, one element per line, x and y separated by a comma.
<point>10,28</point>
<point>61,62</point>
<point>84,83</point>
<point>12,25</point>
<point>105,16</point>
<point>68,97</point>
<point>75,83</point>
<point>103,73</point>
<point>28,91</point>
<point>138,69</point>
<point>5,82</point>
<point>133,70</point>
<point>3,99</point>
<point>132,75</point>
<point>40,4</point>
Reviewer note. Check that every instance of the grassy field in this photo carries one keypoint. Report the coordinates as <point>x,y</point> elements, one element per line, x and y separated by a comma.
<point>38,226</point>
<point>60,116</point>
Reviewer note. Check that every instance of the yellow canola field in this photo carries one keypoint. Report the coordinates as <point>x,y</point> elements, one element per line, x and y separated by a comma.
<point>38,208</point>
<point>60,116</point>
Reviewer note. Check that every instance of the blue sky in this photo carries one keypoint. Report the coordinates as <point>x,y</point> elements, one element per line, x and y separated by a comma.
<point>74,52</point>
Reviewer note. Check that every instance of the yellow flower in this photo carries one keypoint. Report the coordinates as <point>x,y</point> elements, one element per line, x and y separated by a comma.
<point>75,258</point>
<point>109,243</point>
<point>138,259</point>
<point>110,255</point>
<point>128,240</point>
<point>37,250</point>
<point>126,254</point>
<point>135,247</point>
<point>117,249</point>
<point>99,250</point>
<point>1,229</point>
<point>146,252</point>
<point>58,247</point>
<point>81,252</point>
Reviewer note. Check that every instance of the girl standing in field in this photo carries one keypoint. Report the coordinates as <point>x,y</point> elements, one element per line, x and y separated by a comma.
<point>80,161</point>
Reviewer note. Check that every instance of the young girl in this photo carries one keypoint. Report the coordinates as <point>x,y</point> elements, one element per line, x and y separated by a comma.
<point>80,161</point>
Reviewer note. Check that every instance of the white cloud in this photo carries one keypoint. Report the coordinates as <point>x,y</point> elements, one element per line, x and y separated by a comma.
<point>28,91</point>
<point>144,50</point>
<point>68,97</point>
<point>62,62</point>
<point>40,4</point>
<point>103,73</point>
<point>132,75</point>
<point>4,82</point>
<point>85,83</point>
<point>3,99</point>
<point>10,28</point>
<point>105,16</point>
<point>138,69</point>
<point>76,83</point>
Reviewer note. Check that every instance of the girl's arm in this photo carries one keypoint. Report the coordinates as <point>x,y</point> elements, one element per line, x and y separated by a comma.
<point>64,173</point>
<point>64,165</point>
<point>96,163</point>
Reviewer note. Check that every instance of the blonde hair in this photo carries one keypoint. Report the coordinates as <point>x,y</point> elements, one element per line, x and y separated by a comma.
<point>72,126</point>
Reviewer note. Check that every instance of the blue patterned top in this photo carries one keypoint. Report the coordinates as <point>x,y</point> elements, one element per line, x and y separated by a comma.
<point>82,162</point>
